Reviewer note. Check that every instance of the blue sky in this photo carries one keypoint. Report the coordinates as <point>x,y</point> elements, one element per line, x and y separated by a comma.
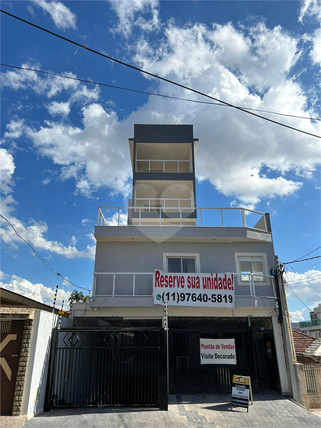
<point>64,144</point>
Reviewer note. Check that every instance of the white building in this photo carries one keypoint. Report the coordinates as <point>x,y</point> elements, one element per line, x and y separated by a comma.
<point>144,252</point>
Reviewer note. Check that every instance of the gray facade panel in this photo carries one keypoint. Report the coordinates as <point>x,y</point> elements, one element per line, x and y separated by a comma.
<point>148,256</point>
<point>163,134</point>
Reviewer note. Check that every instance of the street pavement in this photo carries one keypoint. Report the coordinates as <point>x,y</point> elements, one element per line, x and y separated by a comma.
<point>269,410</point>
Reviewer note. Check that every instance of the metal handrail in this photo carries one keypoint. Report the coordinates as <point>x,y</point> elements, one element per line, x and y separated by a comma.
<point>101,220</point>
<point>163,164</point>
<point>251,284</point>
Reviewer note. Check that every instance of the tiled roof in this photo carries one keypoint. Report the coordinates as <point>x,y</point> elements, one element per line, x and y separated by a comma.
<point>314,350</point>
<point>301,341</point>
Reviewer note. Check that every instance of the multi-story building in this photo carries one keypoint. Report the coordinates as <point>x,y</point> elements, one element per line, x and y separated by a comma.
<point>205,276</point>
<point>312,327</point>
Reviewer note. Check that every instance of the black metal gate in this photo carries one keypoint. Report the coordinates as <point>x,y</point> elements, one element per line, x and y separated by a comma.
<point>107,368</point>
<point>187,375</point>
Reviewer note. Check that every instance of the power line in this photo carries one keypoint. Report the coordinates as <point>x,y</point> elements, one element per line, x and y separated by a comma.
<point>47,264</point>
<point>305,267</point>
<point>298,258</point>
<point>303,280</point>
<point>153,93</point>
<point>299,261</point>
<point>156,76</point>
<point>299,298</point>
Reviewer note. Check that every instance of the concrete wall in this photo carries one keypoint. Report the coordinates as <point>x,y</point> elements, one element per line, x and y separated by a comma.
<point>38,361</point>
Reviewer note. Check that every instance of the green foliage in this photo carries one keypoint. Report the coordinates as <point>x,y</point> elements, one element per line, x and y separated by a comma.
<point>78,297</point>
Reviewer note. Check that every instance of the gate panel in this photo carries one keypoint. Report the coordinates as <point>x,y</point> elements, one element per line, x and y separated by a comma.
<point>10,347</point>
<point>106,368</point>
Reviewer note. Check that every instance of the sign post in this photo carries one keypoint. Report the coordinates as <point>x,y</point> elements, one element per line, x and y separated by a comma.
<point>241,392</point>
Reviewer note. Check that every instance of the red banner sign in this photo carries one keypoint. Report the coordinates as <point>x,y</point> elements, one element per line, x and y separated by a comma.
<point>183,289</point>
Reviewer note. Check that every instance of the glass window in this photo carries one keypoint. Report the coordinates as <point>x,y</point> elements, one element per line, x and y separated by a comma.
<point>181,264</point>
<point>251,265</point>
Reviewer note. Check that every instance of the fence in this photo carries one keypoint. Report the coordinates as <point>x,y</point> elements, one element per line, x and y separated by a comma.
<point>312,374</point>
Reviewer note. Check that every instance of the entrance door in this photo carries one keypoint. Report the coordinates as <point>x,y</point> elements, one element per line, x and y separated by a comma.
<point>272,366</point>
<point>187,375</point>
<point>10,347</point>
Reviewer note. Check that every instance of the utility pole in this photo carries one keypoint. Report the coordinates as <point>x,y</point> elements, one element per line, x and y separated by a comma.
<point>286,327</point>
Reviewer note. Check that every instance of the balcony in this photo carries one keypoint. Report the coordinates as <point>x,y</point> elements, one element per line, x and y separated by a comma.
<point>140,284</point>
<point>153,205</point>
<point>167,166</point>
<point>312,323</point>
<point>177,215</point>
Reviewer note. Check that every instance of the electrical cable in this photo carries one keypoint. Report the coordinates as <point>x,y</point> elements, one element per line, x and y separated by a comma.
<point>298,258</point>
<point>299,298</point>
<point>299,261</point>
<point>47,264</point>
<point>153,93</point>
<point>156,76</point>
<point>305,267</point>
<point>304,280</point>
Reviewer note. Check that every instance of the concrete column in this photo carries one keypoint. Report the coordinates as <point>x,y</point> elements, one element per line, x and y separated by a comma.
<point>279,346</point>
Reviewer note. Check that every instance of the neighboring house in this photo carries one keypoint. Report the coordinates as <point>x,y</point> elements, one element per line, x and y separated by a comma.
<point>26,327</point>
<point>307,348</point>
<point>172,281</point>
<point>313,327</point>
<point>308,353</point>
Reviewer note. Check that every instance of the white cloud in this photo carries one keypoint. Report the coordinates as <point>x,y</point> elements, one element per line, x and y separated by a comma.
<point>242,156</point>
<point>310,8</point>
<point>300,315</point>
<point>14,129</point>
<point>139,13</point>
<point>56,108</point>
<point>35,232</point>
<point>316,49</point>
<point>37,291</point>
<point>49,86</point>
<point>7,168</point>
<point>113,220</point>
<point>93,155</point>
<point>306,285</point>
<point>60,14</point>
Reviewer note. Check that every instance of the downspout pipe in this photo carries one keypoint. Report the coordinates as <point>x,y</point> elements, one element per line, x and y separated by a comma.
<point>274,273</point>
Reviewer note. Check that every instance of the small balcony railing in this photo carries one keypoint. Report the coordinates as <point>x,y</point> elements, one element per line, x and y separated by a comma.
<point>166,204</point>
<point>140,284</point>
<point>312,323</point>
<point>159,165</point>
<point>204,217</point>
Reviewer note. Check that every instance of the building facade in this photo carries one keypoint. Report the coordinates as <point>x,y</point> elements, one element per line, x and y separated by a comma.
<point>163,237</point>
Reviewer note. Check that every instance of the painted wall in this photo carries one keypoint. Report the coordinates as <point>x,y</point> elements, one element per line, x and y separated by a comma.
<point>38,362</point>
<point>114,256</point>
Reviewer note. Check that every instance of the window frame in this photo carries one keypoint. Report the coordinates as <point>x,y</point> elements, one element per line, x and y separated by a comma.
<point>249,257</point>
<point>194,256</point>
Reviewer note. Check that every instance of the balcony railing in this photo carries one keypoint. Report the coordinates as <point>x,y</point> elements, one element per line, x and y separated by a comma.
<point>159,165</point>
<point>140,284</point>
<point>167,204</point>
<point>312,323</point>
<point>204,217</point>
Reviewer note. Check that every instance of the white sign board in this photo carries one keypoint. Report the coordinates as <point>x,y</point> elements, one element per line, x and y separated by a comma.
<point>218,351</point>
<point>214,290</point>
<point>241,391</point>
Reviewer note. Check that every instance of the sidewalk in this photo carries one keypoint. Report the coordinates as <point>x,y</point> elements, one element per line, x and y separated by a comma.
<point>194,411</point>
